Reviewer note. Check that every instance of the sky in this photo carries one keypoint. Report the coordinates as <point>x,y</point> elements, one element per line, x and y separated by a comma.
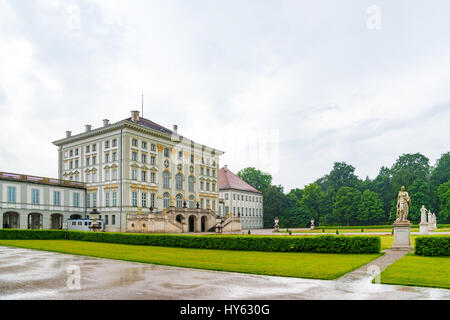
<point>289,87</point>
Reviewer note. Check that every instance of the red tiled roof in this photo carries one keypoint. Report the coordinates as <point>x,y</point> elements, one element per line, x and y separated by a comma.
<point>228,180</point>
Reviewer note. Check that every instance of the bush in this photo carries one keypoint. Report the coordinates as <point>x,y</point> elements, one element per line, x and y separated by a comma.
<point>249,232</point>
<point>432,246</point>
<point>337,231</point>
<point>322,243</point>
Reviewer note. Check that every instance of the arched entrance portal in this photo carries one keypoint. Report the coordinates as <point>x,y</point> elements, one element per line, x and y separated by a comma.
<point>56,221</point>
<point>179,218</point>
<point>203,223</point>
<point>11,220</point>
<point>191,223</point>
<point>35,221</point>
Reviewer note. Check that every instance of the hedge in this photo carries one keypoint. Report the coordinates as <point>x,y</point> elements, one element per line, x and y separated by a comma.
<point>319,244</point>
<point>432,246</point>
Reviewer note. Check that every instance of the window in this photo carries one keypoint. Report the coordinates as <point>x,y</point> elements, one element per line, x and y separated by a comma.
<point>144,145</point>
<point>70,165</point>
<point>134,198</point>
<point>144,158</point>
<point>106,219</point>
<point>107,175</point>
<point>107,198</point>
<point>207,186</point>
<point>166,198</point>
<point>192,158</point>
<point>207,204</point>
<point>144,176</point>
<point>114,156</point>
<point>88,149</point>
<point>76,199</point>
<point>94,147</point>
<point>201,204</point>
<point>134,156</point>
<point>152,160</point>
<point>207,172</point>
<point>56,198</point>
<point>144,199</point>
<point>201,185</point>
<point>114,174</point>
<point>35,193</point>
<point>114,202</point>
<point>94,160</point>
<point>213,173</point>
<point>106,144</point>
<point>191,202</point>
<point>214,187</point>
<point>11,194</point>
<point>180,155</point>
<point>94,177</point>
<point>191,183</point>
<point>226,209</point>
<point>133,174</point>
<point>76,151</point>
<point>179,182</point>
<point>165,177</point>
<point>166,152</point>
<point>76,163</point>
<point>179,201</point>
<point>213,205</point>
<point>114,142</point>
<point>152,200</point>
<point>71,153</point>
<point>94,199</point>
<point>113,219</point>
<point>107,157</point>
<point>201,170</point>
<point>87,161</point>
<point>152,177</point>
<point>134,142</point>
<point>226,196</point>
<point>234,196</point>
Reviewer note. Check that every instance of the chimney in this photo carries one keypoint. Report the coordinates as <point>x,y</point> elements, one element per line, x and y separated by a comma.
<point>88,127</point>
<point>105,122</point>
<point>225,168</point>
<point>68,134</point>
<point>175,128</point>
<point>135,116</point>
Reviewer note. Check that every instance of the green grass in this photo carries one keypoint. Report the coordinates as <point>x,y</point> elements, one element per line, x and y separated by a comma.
<point>412,270</point>
<point>289,264</point>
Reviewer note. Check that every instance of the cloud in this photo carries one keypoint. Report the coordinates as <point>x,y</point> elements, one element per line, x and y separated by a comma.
<point>295,83</point>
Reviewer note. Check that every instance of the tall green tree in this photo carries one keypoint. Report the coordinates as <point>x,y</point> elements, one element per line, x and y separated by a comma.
<point>444,199</point>
<point>382,185</point>
<point>346,205</point>
<point>420,194</point>
<point>408,168</point>
<point>314,202</point>
<point>370,209</point>
<point>440,174</point>
<point>275,204</point>
<point>342,175</point>
<point>256,178</point>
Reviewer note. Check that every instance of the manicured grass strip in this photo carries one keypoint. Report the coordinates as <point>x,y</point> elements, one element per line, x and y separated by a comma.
<point>412,270</point>
<point>289,264</point>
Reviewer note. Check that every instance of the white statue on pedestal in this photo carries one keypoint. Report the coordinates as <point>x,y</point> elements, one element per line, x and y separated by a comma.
<point>423,214</point>
<point>312,223</point>
<point>403,204</point>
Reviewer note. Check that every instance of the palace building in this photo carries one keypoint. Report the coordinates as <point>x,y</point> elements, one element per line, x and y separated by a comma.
<point>149,178</point>
<point>239,199</point>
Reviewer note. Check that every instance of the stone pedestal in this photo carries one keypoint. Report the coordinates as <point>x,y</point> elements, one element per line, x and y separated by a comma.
<point>423,228</point>
<point>402,236</point>
<point>430,227</point>
<point>312,227</point>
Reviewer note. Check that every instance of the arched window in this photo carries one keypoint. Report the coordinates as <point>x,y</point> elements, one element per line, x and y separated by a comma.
<point>166,198</point>
<point>191,183</point>
<point>166,176</point>
<point>179,201</point>
<point>179,181</point>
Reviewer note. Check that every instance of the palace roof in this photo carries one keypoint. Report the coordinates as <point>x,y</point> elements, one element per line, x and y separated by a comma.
<point>228,180</point>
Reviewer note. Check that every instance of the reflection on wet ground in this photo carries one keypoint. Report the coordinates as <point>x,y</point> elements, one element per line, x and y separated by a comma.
<point>33,274</point>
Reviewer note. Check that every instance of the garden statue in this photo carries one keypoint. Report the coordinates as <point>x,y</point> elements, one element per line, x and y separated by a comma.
<point>403,204</point>
<point>423,214</point>
<point>276,227</point>
<point>312,223</point>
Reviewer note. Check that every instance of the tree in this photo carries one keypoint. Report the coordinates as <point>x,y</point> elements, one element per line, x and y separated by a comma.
<point>440,174</point>
<point>419,192</point>
<point>343,175</point>
<point>370,209</point>
<point>382,185</point>
<point>275,204</point>
<point>313,202</point>
<point>256,178</point>
<point>345,207</point>
<point>296,193</point>
<point>444,199</point>
<point>408,168</point>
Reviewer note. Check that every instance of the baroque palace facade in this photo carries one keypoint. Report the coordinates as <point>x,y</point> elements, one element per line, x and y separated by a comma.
<point>143,177</point>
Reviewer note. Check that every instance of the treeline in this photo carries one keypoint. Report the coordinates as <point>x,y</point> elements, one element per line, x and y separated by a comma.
<point>342,198</point>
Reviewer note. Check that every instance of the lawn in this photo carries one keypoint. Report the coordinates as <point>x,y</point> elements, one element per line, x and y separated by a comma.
<point>289,264</point>
<point>412,270</point>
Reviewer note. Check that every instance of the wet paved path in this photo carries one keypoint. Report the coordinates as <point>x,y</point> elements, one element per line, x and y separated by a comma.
<point>33,274</point>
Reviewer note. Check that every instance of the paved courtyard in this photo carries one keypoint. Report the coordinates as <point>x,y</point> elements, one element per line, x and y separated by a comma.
<point>33,274</point>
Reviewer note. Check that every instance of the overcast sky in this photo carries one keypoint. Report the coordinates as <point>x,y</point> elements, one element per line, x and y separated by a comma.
<point>287,86</point>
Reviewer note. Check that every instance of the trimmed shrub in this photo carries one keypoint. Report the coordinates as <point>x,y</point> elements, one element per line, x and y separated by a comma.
<point>319,244</point>
<point>432,246</point>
